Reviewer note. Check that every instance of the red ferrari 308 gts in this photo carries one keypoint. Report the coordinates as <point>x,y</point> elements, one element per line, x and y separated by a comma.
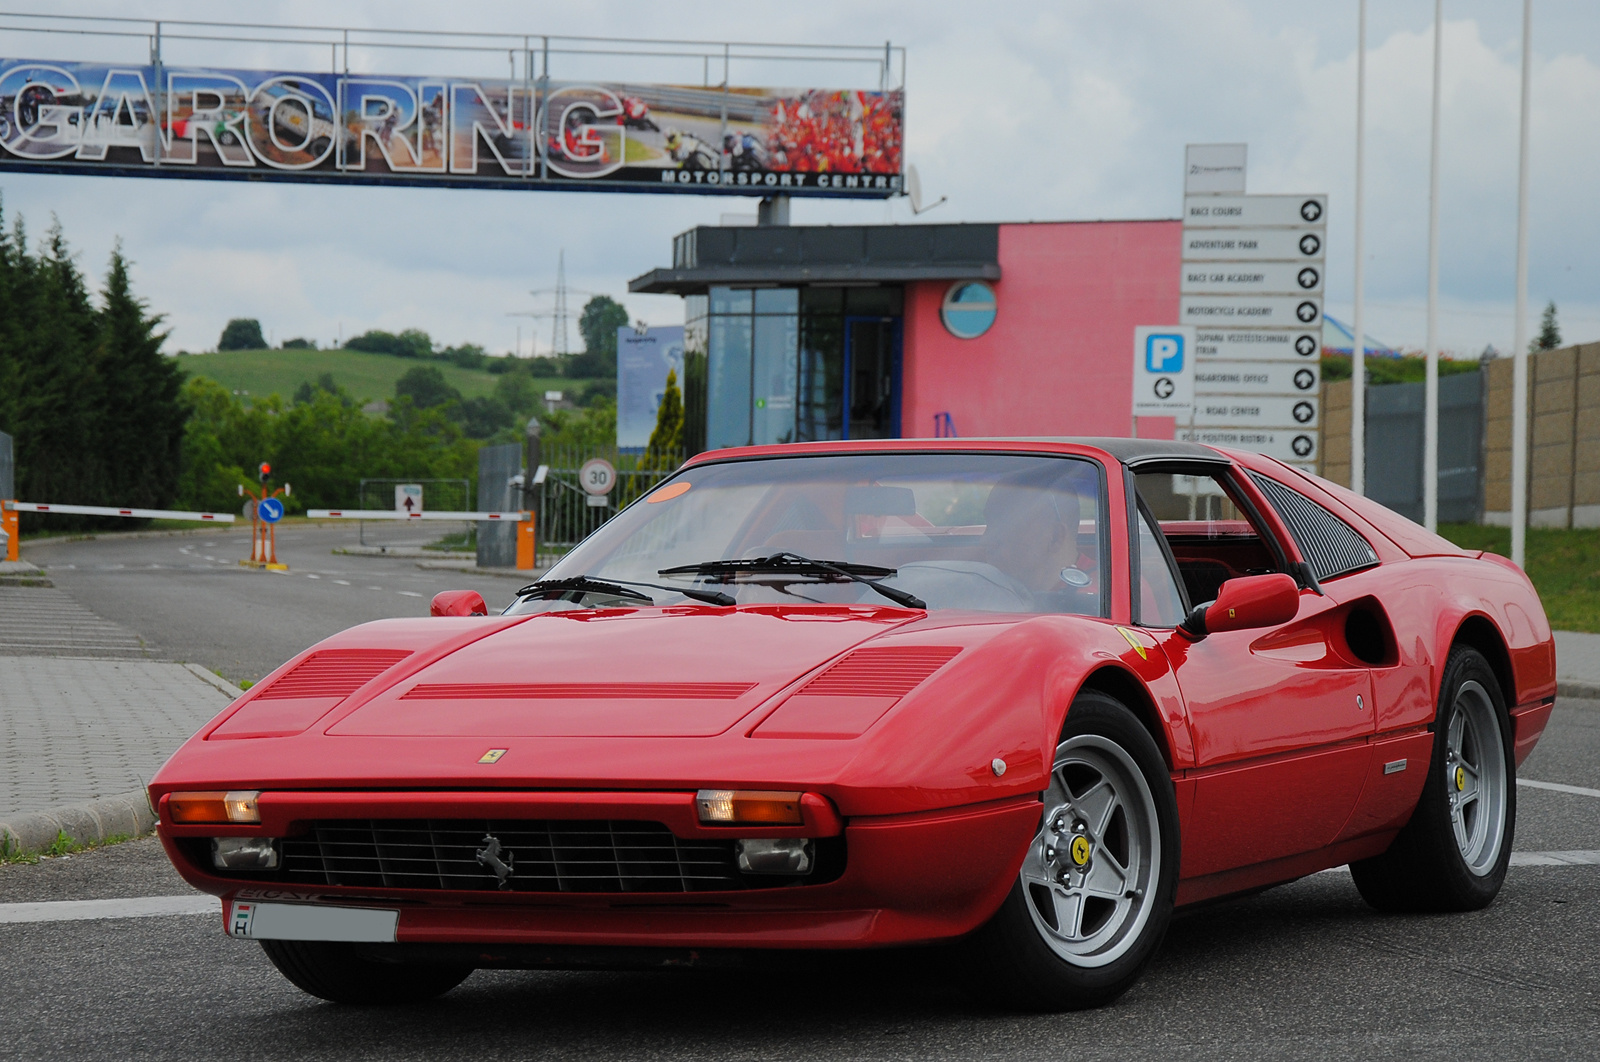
<point>1026,697</point>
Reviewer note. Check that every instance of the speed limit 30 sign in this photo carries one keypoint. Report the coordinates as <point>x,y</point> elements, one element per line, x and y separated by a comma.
<point>597,477</point>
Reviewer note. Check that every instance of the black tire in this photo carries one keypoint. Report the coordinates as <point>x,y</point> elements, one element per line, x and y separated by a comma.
<point>1015,960</point>
<point>338,973</point>
<point>1426,868</point>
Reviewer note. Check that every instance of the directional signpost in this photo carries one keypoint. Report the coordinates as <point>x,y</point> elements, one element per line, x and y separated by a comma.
<point>408,498</point>
<point>1251,288</point>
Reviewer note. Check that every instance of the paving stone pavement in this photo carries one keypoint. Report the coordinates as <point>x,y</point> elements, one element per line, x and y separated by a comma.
<point>73,730</point>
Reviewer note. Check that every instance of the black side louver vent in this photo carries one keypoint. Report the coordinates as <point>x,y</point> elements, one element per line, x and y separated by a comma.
<point>1330,545</point>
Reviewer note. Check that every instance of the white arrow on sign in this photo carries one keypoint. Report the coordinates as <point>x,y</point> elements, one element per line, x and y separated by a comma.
<point>1282,444</point>
<point>1251,278</point>
<point>1258,344</point>
<point>1248,411</point>
<point>1216,377</point>
<point>1261,311</point>
<point>1250,211</point>
<point>1253,245</point>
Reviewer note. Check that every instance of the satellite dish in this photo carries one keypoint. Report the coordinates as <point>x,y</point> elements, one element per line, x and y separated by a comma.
<point>914,191</point>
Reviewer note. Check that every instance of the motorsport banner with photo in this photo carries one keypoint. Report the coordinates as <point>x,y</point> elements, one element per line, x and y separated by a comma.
<point>643,361</point>
<point>280,125</point>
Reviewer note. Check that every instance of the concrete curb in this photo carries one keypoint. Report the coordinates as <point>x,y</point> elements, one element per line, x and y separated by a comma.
<point>1584,691</point>
<point>211,678</point>
<point>87,823</point>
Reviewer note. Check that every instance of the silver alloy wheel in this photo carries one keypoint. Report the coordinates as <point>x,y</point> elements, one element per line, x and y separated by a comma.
<point>1093,869</point>
<point>1475,777</point>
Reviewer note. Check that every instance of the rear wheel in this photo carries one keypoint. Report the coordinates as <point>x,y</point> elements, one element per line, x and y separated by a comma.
<point>1453,854</point>
<point>339,973</point>
<point>1094,896</point>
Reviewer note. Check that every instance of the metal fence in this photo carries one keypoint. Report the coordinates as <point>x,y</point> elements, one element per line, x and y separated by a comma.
<point>1394,447</point>
<point>451,495</point>
<point>566,515</point>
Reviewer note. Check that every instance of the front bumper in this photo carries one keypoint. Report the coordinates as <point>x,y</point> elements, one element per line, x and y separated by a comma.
<point>906,879</point>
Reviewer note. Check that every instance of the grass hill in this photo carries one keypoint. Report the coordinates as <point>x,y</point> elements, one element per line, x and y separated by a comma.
<point>364,375</point>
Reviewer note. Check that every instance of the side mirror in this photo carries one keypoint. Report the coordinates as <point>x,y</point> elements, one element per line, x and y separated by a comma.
<point>458,603</point>
<point>1245,603</point>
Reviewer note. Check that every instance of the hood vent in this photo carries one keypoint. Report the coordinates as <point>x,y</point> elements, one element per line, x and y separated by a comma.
<point>575,691</point>
<point>888,671</point>
<point>333,673</point>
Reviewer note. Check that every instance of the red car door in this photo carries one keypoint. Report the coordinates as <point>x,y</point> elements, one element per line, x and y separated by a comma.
<point>1280,718</point>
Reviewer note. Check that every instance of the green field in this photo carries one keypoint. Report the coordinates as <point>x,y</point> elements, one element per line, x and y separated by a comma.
<point>364,375</point>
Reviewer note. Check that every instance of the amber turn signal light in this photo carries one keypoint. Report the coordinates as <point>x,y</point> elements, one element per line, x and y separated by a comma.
<point>238,805</point>
<point>730,807</point>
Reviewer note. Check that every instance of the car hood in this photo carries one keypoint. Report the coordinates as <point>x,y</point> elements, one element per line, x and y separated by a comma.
<point>691,672</point>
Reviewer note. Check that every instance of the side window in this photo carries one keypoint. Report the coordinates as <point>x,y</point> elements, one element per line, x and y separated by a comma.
<point>1331,546</point>
<point>1211,535</point>
<point>1160,599</point>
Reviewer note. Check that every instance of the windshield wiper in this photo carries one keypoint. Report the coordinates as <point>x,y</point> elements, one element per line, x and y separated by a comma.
<point>795,563</point>
<point>582,584</point>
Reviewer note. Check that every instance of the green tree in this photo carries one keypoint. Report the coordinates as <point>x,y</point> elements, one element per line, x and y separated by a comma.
<point>426,387</point>
<point>665,448</point>
<point>1549,337</point>
<point>140,429</point>
<point>412,343</point>
<point>601,317</point>
<point>299,343</point>
<point>242,333</point>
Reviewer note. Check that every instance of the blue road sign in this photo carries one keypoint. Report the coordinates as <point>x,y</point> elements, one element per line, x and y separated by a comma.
<point>270,510</point>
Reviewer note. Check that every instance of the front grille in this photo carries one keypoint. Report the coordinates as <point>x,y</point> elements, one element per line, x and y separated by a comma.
<point>545,856</point>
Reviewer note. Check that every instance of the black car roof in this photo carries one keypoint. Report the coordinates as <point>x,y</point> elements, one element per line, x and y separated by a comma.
<point>1133,452</point>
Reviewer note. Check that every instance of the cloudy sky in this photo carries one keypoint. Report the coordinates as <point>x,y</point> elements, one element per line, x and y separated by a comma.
<point>1045,111</point>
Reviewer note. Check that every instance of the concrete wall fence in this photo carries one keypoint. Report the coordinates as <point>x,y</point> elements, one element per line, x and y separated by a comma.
<point>1564,456</point>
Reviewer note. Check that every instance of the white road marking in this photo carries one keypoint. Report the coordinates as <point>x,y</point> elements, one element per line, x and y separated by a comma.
<point>309,575</point>
<point>408,593</point>
<point>1555,859</point>
<point>341,582</point>
<point>84,910</point>
<point>1557,787</point>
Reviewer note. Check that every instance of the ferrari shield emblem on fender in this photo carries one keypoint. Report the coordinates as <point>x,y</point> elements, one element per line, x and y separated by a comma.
<point>1134,641</point>
<point>492,756</point>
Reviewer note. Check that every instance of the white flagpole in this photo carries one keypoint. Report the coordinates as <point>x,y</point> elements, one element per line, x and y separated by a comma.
<point>1358,346</point>
<point>1519,342</point>
<point>1430,409</point>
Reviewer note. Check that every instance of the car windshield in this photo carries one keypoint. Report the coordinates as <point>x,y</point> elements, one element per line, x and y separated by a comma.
<point>990,532</point>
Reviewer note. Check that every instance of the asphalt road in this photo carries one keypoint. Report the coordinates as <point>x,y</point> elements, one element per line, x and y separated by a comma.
<point>1302,971</point>
<point>191,601</point>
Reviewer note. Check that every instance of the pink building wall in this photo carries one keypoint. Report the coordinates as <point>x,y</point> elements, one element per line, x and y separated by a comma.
<point>1059,357</point>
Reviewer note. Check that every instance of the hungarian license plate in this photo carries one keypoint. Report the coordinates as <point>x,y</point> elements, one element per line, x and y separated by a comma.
<point>251,920</point>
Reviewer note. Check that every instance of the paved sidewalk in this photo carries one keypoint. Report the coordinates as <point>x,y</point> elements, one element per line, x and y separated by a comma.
<point>76,730</point>
<point>35,621</point>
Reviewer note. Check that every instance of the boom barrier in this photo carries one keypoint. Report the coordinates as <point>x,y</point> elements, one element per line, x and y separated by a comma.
<point>391,514</point>
<point>106,510</point>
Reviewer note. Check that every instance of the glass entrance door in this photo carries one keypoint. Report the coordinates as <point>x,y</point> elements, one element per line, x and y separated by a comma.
<point>872,377</point>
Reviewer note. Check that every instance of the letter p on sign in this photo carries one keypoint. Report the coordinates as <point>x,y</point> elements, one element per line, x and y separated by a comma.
<point>1163,353</point>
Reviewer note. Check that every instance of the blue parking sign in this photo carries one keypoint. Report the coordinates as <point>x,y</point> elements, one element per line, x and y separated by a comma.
<point>1163,352</point>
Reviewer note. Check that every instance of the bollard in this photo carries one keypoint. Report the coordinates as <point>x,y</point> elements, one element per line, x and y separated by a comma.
<point>527,558</point>
<point>10,532</point>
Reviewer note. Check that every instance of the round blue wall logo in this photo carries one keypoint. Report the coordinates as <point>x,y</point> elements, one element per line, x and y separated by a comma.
<point>969,309</point>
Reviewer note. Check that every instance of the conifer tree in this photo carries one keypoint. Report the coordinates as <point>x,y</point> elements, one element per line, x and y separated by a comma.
<point>666,439</point>
<point>1549,337</point>
<point>140,429</point>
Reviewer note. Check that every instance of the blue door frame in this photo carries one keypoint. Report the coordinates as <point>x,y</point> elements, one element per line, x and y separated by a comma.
<point>897,328</point>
